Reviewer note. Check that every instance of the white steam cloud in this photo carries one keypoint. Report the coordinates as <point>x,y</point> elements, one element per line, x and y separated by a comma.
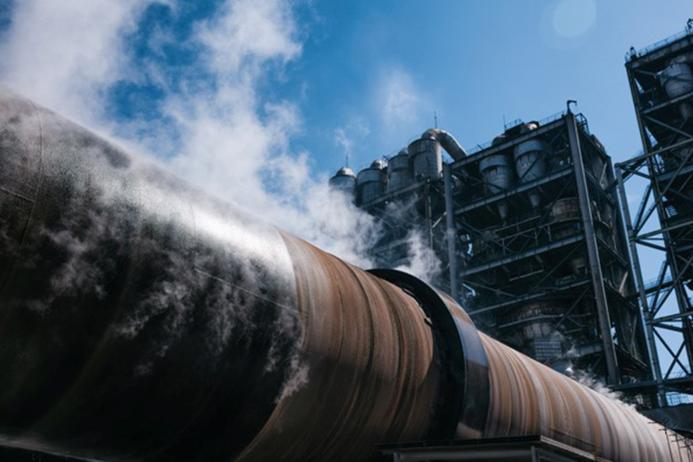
<point>399,100</point>
<point>214,128</point>
<point>65,54</point>
<point>422,260</point>
<point>346,137</point>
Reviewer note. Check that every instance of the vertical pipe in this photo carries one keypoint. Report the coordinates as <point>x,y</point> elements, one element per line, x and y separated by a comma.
<point>645,313</point>
<point>428,213</point>
<point>592,251</point>
<point>450,231</point>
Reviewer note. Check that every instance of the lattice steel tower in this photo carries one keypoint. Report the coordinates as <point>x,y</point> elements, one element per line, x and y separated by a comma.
<point>661,229</point>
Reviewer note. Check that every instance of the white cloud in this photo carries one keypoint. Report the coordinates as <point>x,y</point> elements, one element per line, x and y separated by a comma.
<point>217,130</point>
<point>399,100</point>
<point>572,18</point>
<point>65,54</point>
<point>422,261</point>
<point>344,137</point>
<point>249,32</point>
<point>343,141</point>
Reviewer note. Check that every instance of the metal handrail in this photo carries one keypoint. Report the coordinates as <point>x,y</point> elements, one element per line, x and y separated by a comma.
<point>545,121</point>
<point>634,54</point>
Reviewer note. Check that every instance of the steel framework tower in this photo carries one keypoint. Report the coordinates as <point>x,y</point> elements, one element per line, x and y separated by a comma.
<point>541,255</point>
<point>661,83</point>
<point>529,238</point>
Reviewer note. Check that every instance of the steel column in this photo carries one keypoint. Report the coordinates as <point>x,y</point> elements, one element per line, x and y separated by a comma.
<point>451,232</point>
<point>613,376</point>
<point>645,315</point>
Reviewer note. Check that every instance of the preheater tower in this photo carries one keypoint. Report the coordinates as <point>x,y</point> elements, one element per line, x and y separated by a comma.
<point>530,238</point>
<point>542,254</point>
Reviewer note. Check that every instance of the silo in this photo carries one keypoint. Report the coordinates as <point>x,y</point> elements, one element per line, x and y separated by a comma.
<point>426,158</point>
<point>677,80</point>
<point>344,180</point>
<point>565,211</point>
<point>565,215</point>
<point>536,332</point>
<point>497,173</point>
<point>370,182</point>
<point>530,161</point>
<point>399,172</point>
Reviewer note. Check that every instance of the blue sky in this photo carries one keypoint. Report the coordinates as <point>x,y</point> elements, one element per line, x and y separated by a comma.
<point>473,62</point>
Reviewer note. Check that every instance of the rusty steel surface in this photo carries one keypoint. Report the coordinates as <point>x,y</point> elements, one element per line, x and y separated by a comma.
<point>135,314</point>
<point>143,321</point>
<point>370,371</point>
<point>528,398</point>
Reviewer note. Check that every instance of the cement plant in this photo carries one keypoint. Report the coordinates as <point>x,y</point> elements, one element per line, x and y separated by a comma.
<point>143,320</point>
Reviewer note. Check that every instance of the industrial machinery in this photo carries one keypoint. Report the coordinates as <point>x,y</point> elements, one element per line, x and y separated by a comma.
<point>142,320</point>
<point>661,82</point>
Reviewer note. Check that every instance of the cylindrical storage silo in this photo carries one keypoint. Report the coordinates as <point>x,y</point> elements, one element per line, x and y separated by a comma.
<point>677,80</point>
<point>497,173</point>
<point>399,173</point>
<point>565,209</point>
<point>370,182</point>
<point>426,159</point>
<point>536,332</point>
<point>344,180</point>
<point>565,216</point>
<point>530,164</point>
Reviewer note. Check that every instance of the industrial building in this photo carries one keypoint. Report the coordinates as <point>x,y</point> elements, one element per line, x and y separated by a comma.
<point>536,239</point>
<point>544,263</point>
<point>530,236</point>
<point>406,193</point>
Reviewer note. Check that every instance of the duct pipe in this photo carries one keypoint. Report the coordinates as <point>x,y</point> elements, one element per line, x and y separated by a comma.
<point>144,321</point>
<point>447,141</point>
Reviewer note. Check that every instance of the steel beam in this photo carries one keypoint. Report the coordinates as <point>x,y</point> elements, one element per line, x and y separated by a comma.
<point>451,232</point>
<point>603,315</point>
